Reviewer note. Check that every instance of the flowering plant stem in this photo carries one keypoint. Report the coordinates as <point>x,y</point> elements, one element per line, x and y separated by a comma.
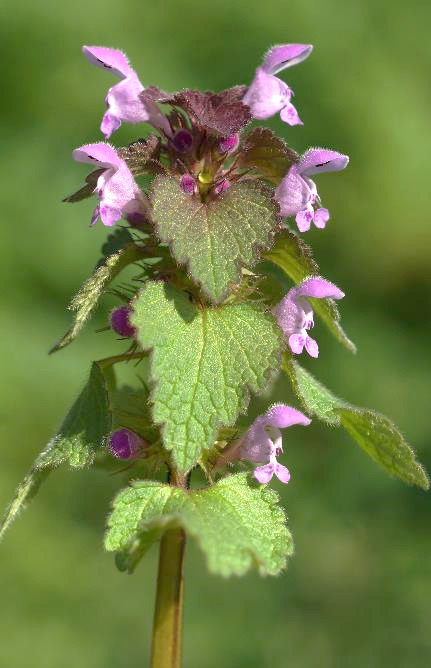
<point>168,612</point>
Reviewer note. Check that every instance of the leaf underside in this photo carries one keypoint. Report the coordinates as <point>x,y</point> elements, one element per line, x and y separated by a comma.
<point>294,257</point>
<point>375,433</point>
<point>217,238</point>
<point>204,365</point>
<point>237,526</point>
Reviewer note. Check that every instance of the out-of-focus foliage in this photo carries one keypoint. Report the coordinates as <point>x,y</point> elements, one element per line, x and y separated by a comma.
<point>358,589</point>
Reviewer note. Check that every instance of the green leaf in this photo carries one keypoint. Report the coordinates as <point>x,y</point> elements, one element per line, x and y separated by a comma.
<point>215,239</point>
<point>294,257</point>
<point>267,153</point>
<point>204,365</point>
<point>315,397</point>
<point>375,433</point>
<point>87,298</point>
<point>237,526</point>
<point>77,442</point>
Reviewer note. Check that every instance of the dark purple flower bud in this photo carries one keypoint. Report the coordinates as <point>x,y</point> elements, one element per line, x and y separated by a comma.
<point>183,141</point>
<point>188,184</point>
<point>125,444</point>
<point>229,144</point>
<point>120,322</point>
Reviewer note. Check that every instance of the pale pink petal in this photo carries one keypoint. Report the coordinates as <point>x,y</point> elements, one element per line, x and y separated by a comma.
<point>264,473</point>
<point>297,343</point>
<point>282,416</point>
<point>109,124</point>
<point>319,288</point>
<point>110,59</point>
<point>311,347</point>
<point>290,116</point>
<point>282,56</point>
<point>304,219</point>
<point>289,315</point>
<point>317,160</point>
<point>109,216</point>
<point>293,194</point>
<point>321,217</point>
<point>124,103</point>
<point>100,154</point>
<point>267,95</point>
<point>282,473</point>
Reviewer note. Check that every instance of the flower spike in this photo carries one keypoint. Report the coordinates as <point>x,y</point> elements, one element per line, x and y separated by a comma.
<point>297,193</point>
<point>268,95</point>
<point>295,315</point>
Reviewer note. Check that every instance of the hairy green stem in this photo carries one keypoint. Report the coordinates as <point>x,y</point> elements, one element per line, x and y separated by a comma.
<point>168,613</point>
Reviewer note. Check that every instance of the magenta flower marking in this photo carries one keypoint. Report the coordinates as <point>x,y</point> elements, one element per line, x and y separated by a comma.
<point>125,444</point>
<point>120,322</point>
<point>268,95</point>
<point>123,100</point>
<point>297,193</point>
<point>116,188</point>
<point>263,441</point>
<point>295,315</point>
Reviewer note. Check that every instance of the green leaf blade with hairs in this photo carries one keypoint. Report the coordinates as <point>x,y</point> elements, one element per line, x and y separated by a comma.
<point>237,525</point>
<point>204,364</point>
<point>81,436</point>
<point>376,434</point>
<point>86,300</point>
<point>295,259</point>
<point>215,239</point>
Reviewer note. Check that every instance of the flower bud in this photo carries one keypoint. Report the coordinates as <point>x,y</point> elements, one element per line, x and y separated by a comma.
<point>221,186</point>
<point>229,144</point>
<point>183,141</point>
<point>120,322</point>
<point>188,184</point>
<point>125,444</point>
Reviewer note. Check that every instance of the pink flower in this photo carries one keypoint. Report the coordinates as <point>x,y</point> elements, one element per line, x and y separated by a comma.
<point>123,100</point>
<point>263,441</point>
<point>116,188</point>
<point>268,95</point>
<point>297,193</point>
<point>295,315</point>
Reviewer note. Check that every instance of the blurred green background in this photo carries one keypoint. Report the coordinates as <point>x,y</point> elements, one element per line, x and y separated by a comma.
<point>357,592</point>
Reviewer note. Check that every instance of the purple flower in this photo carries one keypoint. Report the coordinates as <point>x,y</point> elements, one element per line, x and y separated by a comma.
<point>268,95</point>
<point>125,444</point>
<point>123,100</point>
<point>117,190</point>
<point>263,441</point>
<point>295,315</point>
<point>120,322</point>
<point>297,193</point>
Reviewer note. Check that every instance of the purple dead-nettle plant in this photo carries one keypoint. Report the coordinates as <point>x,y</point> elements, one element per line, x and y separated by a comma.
<point>220,300</point>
